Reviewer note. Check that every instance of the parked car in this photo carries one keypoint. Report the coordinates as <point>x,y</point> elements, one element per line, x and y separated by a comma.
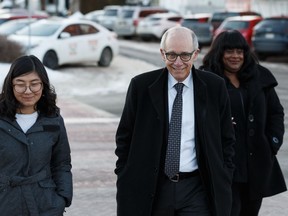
<point>12,14</point>
<point>61,41</point>
<point>110,15</point>
<point>155,25</point>
<point>243,24</point>
<point>96,15</point>
<point>270,37</point>
<point>11,26</point>
<point>200,24</point>
<point>130,16</point>
<point>218,17</point>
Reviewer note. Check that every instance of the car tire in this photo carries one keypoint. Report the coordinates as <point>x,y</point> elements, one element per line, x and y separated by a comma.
<point>106,57</point>
<point>50,60</point>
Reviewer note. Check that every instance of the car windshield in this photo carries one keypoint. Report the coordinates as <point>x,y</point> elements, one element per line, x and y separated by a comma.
<point>191,20</point>
<point>3,21</point>
<point>275,24</point>
<point>43,29</point>
<point>127,13</point>
<point>222,16</point>
<point>235,25</point>
<point>110,12</point>
<point>10,28</point>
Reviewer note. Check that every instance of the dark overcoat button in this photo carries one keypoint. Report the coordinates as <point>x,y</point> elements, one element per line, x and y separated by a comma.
<point>251,118</point>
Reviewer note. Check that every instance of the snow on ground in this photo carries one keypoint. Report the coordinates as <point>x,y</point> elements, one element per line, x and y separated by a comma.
<point>54,76</point>
<point>92,79</point>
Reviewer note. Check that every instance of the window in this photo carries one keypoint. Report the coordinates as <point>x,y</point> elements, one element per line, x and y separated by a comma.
<point>88,29</point>
<point>74,30</point>
<point>236,25</point>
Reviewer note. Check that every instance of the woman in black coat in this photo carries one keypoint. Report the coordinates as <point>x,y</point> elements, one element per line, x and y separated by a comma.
<point>258,118</point>
<point>35,165</point>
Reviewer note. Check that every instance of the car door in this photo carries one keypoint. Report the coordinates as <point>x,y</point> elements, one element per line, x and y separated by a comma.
<point>70,47</point>
<point>92,42</point>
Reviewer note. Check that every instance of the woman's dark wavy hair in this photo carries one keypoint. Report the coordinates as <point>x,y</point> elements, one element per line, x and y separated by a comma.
<point>231,39</point>
<point>25,65</point>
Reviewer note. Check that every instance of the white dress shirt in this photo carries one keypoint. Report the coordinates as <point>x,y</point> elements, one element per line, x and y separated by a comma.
<point>188,162</point>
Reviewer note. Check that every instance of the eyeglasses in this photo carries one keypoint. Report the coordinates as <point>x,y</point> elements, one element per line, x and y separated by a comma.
<point>185,57</point>
<point>34,87</point>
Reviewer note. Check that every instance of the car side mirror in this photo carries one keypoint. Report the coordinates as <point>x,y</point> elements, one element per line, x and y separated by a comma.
<point>64,35</point>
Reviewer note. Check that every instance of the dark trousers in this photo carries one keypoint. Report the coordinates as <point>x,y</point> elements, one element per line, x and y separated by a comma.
<point>242,205</point>
<point>184,198</point>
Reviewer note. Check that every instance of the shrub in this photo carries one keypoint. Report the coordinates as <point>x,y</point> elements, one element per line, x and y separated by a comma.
<point>9,50</point>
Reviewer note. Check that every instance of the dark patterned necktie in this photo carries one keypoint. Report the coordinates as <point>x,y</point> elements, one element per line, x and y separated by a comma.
<point>174,138</point>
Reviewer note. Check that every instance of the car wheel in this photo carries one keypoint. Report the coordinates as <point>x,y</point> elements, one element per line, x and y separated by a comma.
<point>106,57</point>
<point>50,60</point>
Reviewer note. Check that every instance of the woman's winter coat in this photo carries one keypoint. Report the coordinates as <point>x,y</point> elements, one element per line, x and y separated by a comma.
<point>265,130</point>
<point>35,168</point>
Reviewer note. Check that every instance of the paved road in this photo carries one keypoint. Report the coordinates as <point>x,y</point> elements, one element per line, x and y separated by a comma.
<point>91,132</point>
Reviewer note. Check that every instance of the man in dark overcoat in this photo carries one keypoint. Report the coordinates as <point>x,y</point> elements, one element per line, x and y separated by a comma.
<point>143,188</point>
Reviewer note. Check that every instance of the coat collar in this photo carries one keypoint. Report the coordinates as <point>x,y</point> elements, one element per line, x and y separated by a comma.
<point>200,101</point>
<point>262,79</point>
<point>200,86</point>
<point>12,127</point>
<point>158,93</point>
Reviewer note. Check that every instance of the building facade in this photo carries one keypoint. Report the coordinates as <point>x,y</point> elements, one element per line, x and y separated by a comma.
<point>265,7</point>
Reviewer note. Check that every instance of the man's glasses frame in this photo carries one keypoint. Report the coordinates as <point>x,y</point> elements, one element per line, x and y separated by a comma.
<point>185,56</point>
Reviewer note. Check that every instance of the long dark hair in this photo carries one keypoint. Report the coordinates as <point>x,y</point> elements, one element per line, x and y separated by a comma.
<point>231,39</point>
<point>24,65</point>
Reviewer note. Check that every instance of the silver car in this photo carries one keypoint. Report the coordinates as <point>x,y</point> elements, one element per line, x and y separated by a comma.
<point>130,17</point>
<point>110,15</point>
<point>201,25</point>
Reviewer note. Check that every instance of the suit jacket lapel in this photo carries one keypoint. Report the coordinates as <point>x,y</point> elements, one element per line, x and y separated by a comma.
<point>159,96</point>
<point>200,97</point>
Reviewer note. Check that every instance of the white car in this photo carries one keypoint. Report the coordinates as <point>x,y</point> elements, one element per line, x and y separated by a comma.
<point>95,15</point>
<point>154,26</point>
<point>61,41</point>
<point>11,26</point>
<point>130,16</point>
<point>110,15</point>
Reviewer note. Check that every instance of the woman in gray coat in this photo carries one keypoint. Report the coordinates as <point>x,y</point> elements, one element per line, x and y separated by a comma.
<point>35,165</point>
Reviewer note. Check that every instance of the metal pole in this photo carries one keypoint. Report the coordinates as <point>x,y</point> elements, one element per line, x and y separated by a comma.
<point>29,28</point>
<point>56,8</point>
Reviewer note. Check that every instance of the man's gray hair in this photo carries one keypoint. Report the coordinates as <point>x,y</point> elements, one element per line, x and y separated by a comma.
<point>193,37</point>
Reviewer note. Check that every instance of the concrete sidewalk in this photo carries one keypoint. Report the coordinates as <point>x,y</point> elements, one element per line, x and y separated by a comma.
<point>91,133</point>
